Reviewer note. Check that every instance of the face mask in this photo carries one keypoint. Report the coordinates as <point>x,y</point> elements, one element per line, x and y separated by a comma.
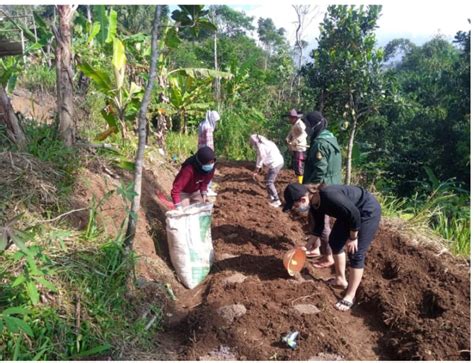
<point>208,167</point>
<point>303,208</point>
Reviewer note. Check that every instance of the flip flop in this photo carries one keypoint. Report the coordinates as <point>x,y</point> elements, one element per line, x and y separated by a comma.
<point>344,305</point>
<point>332,283</point>
<point>322,264</point>
<point>312,254</point>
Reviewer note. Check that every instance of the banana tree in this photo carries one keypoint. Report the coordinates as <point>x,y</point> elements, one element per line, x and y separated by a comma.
<point>122,99</point>
<point>190,92</point>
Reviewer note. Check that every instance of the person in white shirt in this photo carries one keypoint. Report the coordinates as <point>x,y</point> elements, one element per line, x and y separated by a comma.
<point>297,144</point>
<point>268,155</point>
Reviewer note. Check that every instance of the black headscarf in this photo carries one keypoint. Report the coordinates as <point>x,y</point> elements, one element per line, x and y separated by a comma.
<point>315,123</point>
<point>203,156</point>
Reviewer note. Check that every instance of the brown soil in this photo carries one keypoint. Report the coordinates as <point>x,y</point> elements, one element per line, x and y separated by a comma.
<point>411,304</point>
<point>40,107</point>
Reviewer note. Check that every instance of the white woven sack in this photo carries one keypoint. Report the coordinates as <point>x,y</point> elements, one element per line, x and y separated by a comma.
<point>190,242</point>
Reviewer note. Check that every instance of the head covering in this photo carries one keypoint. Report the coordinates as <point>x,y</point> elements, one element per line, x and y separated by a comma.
<point>294,113</point>
<point>316,123</point>
<point>210,121</point>
<point>258,139</point>
<point>205,155</point>
<point>293,192</point>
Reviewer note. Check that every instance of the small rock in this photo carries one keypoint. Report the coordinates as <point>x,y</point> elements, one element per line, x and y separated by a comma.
<point>306,309</point>
<point>326,356</point>
<point>222,353</point>
<point>232,235</point>
<point>236,278</point>
<point>226,256</point>
<point>231,312</point>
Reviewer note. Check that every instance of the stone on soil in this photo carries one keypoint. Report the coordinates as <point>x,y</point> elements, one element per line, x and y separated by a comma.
<point>306,309</point>
<point>231,312</point>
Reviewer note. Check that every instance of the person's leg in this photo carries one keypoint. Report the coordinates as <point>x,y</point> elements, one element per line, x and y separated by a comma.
<point>185,199</point>
<point>340,266</point>
<point>337,240</point>
<point>369,226</point>
<point>270,183</point>
<point>299,170</point>
<point>326,259</point>
<point>195,197</point>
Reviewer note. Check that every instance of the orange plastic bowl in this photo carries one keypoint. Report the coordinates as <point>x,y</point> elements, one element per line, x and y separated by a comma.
<point>294,260</point>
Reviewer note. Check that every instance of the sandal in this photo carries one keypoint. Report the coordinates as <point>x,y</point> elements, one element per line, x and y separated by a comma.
<point>322,264</point>
<point>344,305</point>
<point>332,283</point>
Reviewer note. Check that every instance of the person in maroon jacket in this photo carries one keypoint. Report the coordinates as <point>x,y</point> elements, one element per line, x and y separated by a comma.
<point>190,185</point>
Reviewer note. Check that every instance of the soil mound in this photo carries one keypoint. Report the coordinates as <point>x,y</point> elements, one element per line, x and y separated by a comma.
<point>412,304</point>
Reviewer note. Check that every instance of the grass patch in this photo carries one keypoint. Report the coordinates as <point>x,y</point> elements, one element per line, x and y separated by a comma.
<point>181,146</point>
<point>38,77</point>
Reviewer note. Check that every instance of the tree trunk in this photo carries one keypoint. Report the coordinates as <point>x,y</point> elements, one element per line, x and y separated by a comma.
<point>217,81</point>
<point>321,102</point>
<point>349,150</point>
<point>65,74</point>
<point>8,118</point>
<point>132,220</point>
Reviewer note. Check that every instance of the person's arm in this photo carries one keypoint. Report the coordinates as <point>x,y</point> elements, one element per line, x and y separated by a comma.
<point>181,180</point>
<point>316,222</point>
<point>205,183</point>
<point>260,156</point>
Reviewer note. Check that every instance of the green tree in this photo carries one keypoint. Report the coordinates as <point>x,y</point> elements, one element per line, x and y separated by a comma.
<point>346,75</point>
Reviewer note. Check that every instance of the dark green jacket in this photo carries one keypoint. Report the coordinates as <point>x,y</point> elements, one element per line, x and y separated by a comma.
<point>323,160</point>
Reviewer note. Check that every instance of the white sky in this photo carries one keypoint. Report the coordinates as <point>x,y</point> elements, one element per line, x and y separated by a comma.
<point>418,21</point>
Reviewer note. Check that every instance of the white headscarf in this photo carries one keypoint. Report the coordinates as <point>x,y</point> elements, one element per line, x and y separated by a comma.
<point>258,139</point>
<point>210,122</point>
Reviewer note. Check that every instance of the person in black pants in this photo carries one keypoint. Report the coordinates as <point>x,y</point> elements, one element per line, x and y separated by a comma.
<point>357,214</point>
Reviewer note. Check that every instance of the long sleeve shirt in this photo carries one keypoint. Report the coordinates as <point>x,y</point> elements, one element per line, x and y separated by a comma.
<point>206,138</point>
<point>189,180</point>
<point>268,155</point>
<point>297,137</point>
<point>343,202</point>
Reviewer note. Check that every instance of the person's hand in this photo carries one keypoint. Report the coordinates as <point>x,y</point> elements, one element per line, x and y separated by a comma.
<point>351,246</point>
<point>313,243</point>
<point>254,175</point>
<point>205,199</point>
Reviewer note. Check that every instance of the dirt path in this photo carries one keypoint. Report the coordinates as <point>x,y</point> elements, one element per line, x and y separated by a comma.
<point>411,304</point>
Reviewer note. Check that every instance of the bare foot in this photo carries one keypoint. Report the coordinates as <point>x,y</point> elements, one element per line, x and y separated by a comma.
<point>337,284</point>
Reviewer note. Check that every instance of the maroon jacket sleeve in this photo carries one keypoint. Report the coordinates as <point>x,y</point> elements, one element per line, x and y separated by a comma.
<point>183,177</point>
<point>207,179</point>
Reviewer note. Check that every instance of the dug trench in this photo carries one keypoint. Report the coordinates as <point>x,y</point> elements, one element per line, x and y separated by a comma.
<point>413,304</point>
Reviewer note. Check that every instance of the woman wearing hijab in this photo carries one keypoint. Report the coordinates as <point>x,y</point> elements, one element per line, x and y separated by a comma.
<point>206,137</point>
<point>357,214</point>
<point>206,129</point>
<point>190,185</point>
<point>268,155</point>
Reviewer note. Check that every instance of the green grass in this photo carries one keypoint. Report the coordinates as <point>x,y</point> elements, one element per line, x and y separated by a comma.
<point>92,312</point>
<point>38,77</point>
<point>443,213</point>
<point>181,146</point>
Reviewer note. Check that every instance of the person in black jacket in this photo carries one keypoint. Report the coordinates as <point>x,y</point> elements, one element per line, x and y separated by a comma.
<point>357,214</point>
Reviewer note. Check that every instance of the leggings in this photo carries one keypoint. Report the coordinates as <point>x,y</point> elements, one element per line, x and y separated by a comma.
<point>370,218</point>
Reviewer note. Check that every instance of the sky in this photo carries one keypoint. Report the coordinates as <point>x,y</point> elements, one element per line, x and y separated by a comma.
<point>418,21</point>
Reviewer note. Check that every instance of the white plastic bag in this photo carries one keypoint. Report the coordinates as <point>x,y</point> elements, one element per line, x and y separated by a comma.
<point>190,242</point>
